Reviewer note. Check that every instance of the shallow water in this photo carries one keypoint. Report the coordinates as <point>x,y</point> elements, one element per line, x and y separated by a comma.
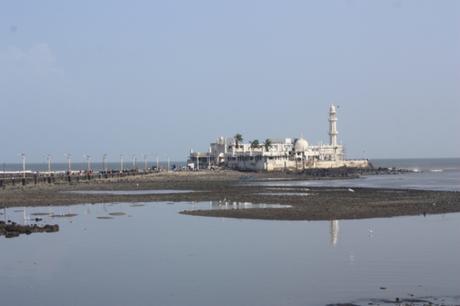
<point>240,205</point>
<point>130,192</point>
<point>441,181</point>
<point>433,174</point>
<point>300,194</point>
<point>155,256</point>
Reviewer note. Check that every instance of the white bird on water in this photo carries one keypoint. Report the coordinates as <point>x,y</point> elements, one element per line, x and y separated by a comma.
<point>351,190</point>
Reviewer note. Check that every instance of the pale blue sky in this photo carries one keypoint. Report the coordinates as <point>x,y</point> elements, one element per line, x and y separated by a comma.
<point>129,77</point>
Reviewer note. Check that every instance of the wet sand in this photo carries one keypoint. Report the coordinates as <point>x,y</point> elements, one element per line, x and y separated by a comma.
<point>317,203</point>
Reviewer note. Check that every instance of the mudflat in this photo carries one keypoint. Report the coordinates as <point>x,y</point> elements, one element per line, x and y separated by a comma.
<point>312,203</point>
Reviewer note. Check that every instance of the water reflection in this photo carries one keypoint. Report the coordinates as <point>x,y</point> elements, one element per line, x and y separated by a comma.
<point>25,219</point>
<point>242,205</point>
<point>129,192</point>
<point>173,258</point>
<point>334,226</point>
<point>87,210</point>
<point>302,194</point>
<point>334,230</point>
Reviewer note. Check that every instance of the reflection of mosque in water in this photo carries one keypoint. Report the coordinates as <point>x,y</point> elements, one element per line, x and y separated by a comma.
<point>334,224</point>
<point>242,205</point>
<point>334,231</point>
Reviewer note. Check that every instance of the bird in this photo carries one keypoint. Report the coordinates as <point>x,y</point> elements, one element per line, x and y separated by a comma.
<point>351,190</point>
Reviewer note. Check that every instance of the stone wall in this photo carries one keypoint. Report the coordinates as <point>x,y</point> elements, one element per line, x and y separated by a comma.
<point>292,165</point>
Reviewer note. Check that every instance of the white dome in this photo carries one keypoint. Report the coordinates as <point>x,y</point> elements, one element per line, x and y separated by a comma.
<point>301,145</point>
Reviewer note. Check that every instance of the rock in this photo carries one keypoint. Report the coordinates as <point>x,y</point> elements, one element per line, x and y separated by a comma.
<point>12,229</point>
<point>11,234</point>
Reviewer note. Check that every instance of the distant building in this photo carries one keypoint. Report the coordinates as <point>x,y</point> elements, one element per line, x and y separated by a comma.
<point>278,155</point>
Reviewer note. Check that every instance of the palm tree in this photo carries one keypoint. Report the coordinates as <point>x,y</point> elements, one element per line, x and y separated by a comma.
<point>255,144</point>
<point>268,144</point>
<point>238,138</point>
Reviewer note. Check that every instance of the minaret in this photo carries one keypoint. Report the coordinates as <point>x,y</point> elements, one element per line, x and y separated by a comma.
<point>333,126</point>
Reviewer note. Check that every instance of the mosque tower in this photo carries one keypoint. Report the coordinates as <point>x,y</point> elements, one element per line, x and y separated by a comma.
<point>333,125</point>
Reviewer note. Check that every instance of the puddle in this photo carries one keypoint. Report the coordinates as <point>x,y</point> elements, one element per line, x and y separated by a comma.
<point>129,192</point>
<point>241,205</point>
<point>286,193</point>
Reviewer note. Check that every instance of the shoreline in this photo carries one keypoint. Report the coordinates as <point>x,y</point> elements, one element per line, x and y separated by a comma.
<point>306,203</point>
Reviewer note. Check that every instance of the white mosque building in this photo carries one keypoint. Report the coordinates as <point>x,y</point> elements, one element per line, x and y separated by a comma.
<point>279,155</point>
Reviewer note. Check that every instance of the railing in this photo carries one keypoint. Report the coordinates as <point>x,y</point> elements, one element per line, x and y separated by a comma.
<point>18,179</point>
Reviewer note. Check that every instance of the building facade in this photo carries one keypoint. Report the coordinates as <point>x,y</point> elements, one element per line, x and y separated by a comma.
<point>277,155</point>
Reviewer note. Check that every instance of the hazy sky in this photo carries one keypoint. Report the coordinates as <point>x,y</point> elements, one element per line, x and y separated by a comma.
<point>132,77</point>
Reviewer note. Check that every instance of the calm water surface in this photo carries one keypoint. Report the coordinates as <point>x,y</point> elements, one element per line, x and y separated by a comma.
<point>155,256</point>
<point>130,192</point>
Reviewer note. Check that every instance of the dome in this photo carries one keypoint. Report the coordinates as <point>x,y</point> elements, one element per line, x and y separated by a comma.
<point>301,145</point>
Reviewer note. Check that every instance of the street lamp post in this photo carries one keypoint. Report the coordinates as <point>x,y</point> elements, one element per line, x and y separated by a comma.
<point>88,162</point>
<point>145,163</point>
<point>69,162</point>
<point>134,162</point>
<point>23,157</point>
<point>48,158</point>
<point>104,162</point>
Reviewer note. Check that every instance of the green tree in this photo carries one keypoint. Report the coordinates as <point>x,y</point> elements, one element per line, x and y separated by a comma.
<point>268,144</point>
<point>255,144</point>
<point>238,139</point>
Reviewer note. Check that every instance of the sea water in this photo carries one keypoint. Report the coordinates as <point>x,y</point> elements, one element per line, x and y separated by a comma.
<point>428,174</point>
<point>149,254</point>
